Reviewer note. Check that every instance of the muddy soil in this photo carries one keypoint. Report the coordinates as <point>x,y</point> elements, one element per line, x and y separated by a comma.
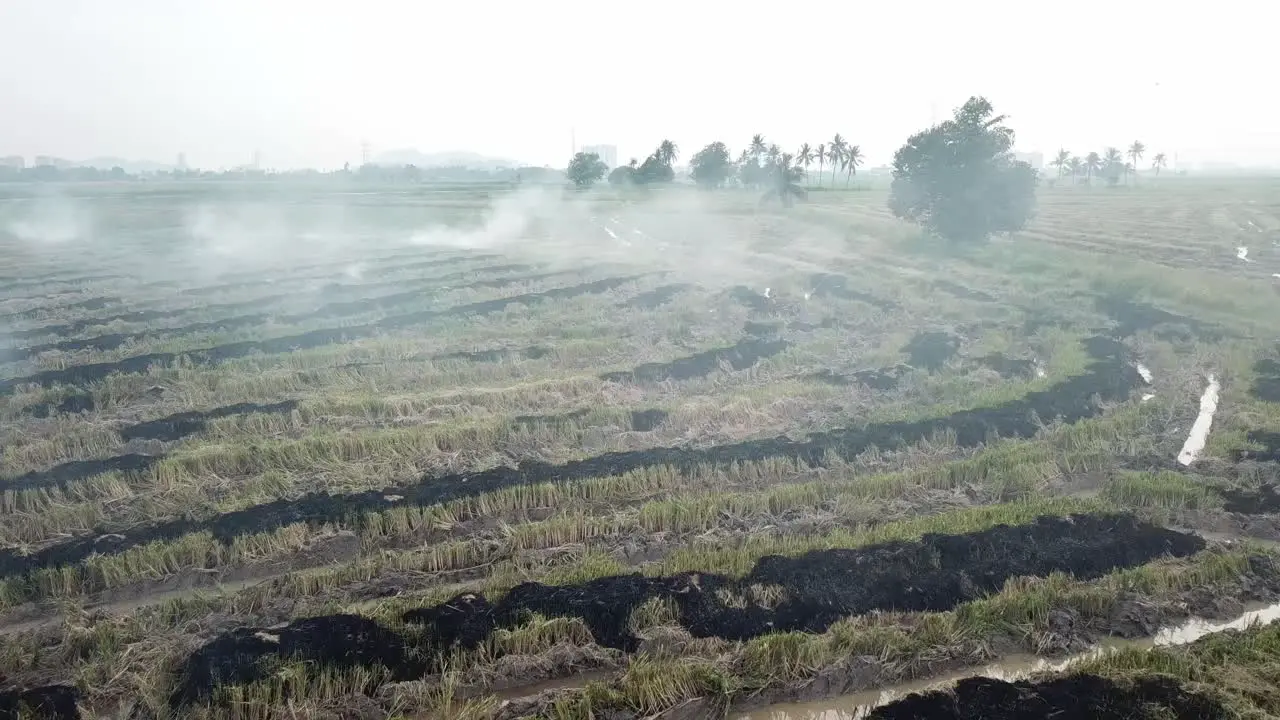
<point>656,297</point>
<point>138,316</point>
<point>561,420</point>
<point>760,329</point>
<point>827,285</point>
<point>1264,500</point>
<point>115,340</point>
<point>71,404</point>
<point>82,374</point>
<point>180,425</point>
<point>75,470</point>
<point>51,702</point>
<point>931,350</point>
<point>1110,378</point>
<point>740,356</point>
<point>1266,386</point>
<point>805,593</point>
<point>1132,317</point>
<point>1076,697</point>
<point>752,300</point>
<point>533,352</point>
<point>884,379</point>
<point>96,303</point>
<point>1270,441</point>
<point>647,420</point>
<point>1008,367</point>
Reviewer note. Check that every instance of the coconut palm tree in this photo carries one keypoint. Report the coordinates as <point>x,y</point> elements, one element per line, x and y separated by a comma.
<point>835,153</point>
<point>1158,162</point>
<point>1112,163</point>
<point>852,159</point>
<point>1060,161</point>
<point>1135,153</point>
<point>805,157</point>
<point>1074,165</point>
<point>785,177</point>
<point>773,153</point>
<point>757,146</point>
<point>821,153</point>
<point>1092,164</point>
<point>667,152</point>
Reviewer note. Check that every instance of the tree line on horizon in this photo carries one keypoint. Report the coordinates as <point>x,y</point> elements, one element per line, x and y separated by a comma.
<point>759,165</point>
<point>1110,165</point>
<point>958,179</point>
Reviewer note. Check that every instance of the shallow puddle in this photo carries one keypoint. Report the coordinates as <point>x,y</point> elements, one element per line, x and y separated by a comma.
<point>858,705</point>
<point>1200,430</point>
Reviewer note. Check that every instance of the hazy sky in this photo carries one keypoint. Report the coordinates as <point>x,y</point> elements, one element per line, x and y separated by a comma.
<point>305,82</point>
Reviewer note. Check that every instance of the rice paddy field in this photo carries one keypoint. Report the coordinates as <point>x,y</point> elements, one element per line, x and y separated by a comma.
<point>473,452</point>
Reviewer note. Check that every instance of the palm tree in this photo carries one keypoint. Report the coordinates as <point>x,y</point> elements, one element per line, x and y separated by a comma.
<point>1061,161</point>
<point>784,181</point>
<point>852,159</point>
<point>1092,164</point>
<point>667,152</point>
<point>805,157</point>
<point>1135,152</point>
<point>1158,162</point>
<point>1112,162</point>
<point>773,153</point>
<point>757,145</point>
<point>1074,165</point>
<point>835,153</point>
<point>821,153</point>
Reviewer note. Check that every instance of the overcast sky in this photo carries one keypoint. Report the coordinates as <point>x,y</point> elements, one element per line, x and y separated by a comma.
<point>306,81</point>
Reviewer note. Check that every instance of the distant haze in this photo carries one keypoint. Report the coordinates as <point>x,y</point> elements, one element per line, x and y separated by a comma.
<point>305,83</point>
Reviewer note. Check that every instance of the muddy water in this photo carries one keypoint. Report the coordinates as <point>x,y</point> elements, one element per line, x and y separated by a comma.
<point>1200,430</point>
<point>858,705</point>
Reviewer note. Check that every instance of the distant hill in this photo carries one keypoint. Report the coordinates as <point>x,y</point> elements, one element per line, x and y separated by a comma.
<point>460,158</point>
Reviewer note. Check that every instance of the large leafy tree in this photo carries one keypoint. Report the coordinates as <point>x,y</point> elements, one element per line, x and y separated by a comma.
<point>585,169</point>
<point>711,166</point>
<point>852,159</point>
<point>960,180</point>
<point>624,175</point>
<point>654,170</point>
<point>784,178</point>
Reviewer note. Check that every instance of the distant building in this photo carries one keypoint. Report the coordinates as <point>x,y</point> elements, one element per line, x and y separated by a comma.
<point>13,161</point>
<point>1034,159</point>
<point>51,161</point>
<point>608,153</point>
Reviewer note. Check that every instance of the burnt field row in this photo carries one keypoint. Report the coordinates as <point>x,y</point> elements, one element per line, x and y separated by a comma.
<point>1109,378</point>
<point>806,593</point>
<point>336,307</point>
<point>82,374</point>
